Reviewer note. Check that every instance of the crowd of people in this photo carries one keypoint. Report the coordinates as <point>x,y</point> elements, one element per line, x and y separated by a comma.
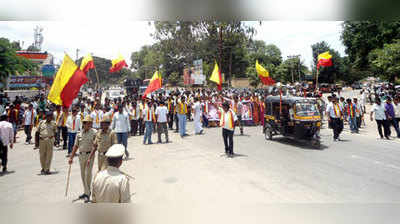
<point>95,125</point>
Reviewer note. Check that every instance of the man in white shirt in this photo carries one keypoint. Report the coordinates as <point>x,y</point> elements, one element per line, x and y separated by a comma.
<point>97,116</point>
<point>380,118</point>
<point>29,120</point>
<point>335,115</point>
<point>6,137</point>
<point>74,126</point>
<point>197,114</point>
<point>148,115</point>
<point>134,115</point>
<point>161,113</point>
<point>121,126</point>
<point>227,122</point>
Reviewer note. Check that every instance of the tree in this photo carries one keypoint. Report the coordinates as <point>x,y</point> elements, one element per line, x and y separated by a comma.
<point>102,67</point>
<point>385,61</point>
<point>10,62</point>
<point>327,74</point>
<point>363,37</point>
<point>182,42</point>
<point>254,80</point>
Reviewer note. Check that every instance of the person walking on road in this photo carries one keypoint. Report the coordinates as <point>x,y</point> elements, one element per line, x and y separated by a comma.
<point>335,113</point>
<point>391,116</point>
<point>47,131</point>
<point>84,142</point>
<point>111,185</point>
<point>148,114</point>
<point>227,122</point>
<point>105,138</point>
<point>7,138</point>
<point>198,129</point>
<point>122,127</point>
<point>182,110</point>
<point>351,116</point>
<point>161,115</point>
<point>29,120</point>
<point>74,126</point>
<point>380,117</point>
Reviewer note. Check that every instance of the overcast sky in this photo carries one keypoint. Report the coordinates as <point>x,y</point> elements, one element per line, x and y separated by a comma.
<point>108,39</point>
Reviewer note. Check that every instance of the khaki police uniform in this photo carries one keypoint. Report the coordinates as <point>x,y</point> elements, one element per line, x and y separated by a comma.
<point>47,132</point>
<point>111,185</point>
<point>84,141</point>
<point>104,141</point>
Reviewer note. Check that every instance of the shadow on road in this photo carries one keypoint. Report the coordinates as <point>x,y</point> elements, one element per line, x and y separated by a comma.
<point>299,144</point>
<point>6,173</point>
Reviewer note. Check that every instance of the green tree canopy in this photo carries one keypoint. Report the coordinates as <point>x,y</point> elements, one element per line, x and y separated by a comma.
<point>10,62</point>
<point>385,61</point>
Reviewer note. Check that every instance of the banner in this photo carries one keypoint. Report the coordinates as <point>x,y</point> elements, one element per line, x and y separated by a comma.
<point>27,82</point>
<point>247,112</point>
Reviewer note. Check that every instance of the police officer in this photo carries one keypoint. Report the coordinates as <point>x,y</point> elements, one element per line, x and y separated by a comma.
<point>111,185</point>
<point>105,138</point>
<point>84,142</point>
<point>47,131</point>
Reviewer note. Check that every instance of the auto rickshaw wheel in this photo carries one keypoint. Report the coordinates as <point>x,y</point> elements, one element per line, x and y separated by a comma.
<point>268,133</point>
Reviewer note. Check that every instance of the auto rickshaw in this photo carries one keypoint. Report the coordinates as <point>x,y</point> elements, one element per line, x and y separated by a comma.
<point>293,117</point>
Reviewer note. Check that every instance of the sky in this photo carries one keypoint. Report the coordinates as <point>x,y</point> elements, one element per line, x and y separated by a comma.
<point>109,39</point>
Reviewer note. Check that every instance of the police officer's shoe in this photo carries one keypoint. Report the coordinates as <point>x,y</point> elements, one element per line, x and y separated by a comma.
<point>87,199</point>
<point>82,196</point>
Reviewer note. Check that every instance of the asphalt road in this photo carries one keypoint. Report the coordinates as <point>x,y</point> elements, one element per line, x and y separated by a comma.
<point>194,171</point>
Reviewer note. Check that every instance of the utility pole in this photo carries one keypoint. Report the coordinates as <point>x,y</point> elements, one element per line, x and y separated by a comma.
<point>77,54</point>
<point>220,46</point>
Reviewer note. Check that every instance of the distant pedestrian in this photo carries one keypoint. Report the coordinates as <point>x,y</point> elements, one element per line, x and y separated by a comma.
<point>380,117</point>
<point>335,114</point>
<point>121,126</point>
<point>29,121</point>
<point>74,126</point>
<point>391,116</point>
<point>148,118</point>
<point>47,131</point>
<point>227,122</point>
<point>6,137</point>
<point>197,110</point>
<point>161,115</point>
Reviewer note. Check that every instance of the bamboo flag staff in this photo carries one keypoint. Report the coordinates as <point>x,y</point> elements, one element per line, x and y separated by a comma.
<point>68,176</point>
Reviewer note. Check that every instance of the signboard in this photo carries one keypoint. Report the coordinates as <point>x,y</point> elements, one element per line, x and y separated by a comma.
<point>48,70</point>
<point>27,82</point>
<point>197,72</point>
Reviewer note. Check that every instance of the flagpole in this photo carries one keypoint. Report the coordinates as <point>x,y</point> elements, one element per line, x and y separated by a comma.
<point>316,81</point>
<point>97,77</point>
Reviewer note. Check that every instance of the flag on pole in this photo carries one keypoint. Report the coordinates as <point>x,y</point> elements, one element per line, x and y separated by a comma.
<point>264,75</point>
<point>87,63</point>
<point>216,77</point>
<point>67,83</point>
<point>155,83</point>
<point>118,64</point>
<point>324,59</point>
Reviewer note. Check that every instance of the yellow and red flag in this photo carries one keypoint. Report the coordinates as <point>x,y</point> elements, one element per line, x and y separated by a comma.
<point>264,75</point>
<point>216,77</point>
<point>118,64</point>
<point>87,63</point>
<point>154,84</point>
<point>67,83</point>
<point>324,59</point>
